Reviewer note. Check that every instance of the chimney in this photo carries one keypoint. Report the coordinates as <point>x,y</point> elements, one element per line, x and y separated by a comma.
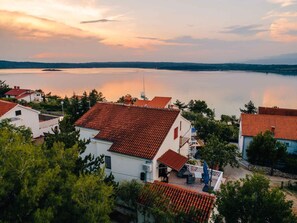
<point>18,87</point>
<point>273,129</point>
<point>14,87</point>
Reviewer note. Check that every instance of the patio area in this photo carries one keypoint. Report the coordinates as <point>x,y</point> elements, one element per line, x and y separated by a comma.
<point>196,184</point>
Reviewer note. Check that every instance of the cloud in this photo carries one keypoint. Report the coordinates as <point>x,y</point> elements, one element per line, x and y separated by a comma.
<point>149,38</point>
<point>280,14</point>
<point>32,27</point>
<point>283,30</point>
<point>99,20</point>
<point>244,30</point>
<point>283,3</point>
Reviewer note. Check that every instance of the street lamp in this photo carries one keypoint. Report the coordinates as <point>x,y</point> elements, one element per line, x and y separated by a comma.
<point>62,103</point>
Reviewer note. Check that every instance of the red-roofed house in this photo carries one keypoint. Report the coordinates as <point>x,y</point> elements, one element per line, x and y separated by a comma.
<point>156,102</point>
<point>19,115</point>
<point>284,128</point>
<point>24,94</point>
<point>133,138</point>
<point>178,200</point>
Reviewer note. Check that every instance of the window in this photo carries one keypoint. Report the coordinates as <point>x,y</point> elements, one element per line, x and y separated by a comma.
<point>18,112</point>
<point>108,162</point>
<point>175,133</point>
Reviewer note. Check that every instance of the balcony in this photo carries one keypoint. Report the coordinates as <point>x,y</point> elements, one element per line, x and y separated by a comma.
<point>196,184</point>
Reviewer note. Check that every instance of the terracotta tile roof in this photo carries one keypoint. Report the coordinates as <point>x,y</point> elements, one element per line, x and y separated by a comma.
<point>180,199</point>
<point>173,160</point>
<point>156,102</point>
<point>285,127</point>
<point>159,102</point>
<point>277,111</point>
<point>5,106</point>
<point>16,92</point>
<point>141,102</point>
<point>134,131</point>
<point>23,95</point>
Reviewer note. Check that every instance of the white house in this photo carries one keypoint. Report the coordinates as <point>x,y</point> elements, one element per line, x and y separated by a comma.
<point>280,121</point>
<point>133,139</point>
<point>19,115</point>
<point>24,94</point>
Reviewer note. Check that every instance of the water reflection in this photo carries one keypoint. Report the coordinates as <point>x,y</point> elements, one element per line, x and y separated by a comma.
<point>224,91</point>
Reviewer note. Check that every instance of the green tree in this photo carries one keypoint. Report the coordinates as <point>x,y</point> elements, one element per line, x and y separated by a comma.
<point>250,200</point>
<point>69,136</point>
<point>95,96</point>
<point>39,185</point>
<point>219,153</point>
<point>249,108</point>
<point>3,88</point>
<point>200,107</point>
<point>206,127</point>
<point>264,149</point>
<point>128,194</point>
<point>180,105</point>
<point>85,104</point>
<point>22,130</point>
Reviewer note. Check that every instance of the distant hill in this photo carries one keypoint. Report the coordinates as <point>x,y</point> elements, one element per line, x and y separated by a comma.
<point>290,59</point>
<point>277,69</point>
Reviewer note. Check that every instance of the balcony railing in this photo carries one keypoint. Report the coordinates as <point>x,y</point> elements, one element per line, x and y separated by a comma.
<point>217,176</point>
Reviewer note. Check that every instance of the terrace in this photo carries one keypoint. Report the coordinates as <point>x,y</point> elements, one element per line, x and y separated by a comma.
<point>195,183</point>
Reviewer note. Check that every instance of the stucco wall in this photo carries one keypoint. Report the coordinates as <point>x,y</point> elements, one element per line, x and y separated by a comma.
<point>291,145</point>
<point>28,118</point>
<point>126,167</point>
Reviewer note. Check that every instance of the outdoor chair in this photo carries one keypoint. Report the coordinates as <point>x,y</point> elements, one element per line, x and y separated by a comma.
<point>190,179</point>
<point>180,173</point>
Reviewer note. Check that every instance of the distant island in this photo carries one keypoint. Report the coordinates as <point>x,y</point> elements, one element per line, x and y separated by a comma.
<point>51,69</point>
<point>276,69</point>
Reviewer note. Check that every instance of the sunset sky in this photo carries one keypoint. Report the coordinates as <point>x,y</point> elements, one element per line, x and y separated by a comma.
<point>139,30</point>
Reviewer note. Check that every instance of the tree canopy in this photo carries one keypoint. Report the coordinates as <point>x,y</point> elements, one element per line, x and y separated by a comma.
<point>3,88</point>
<point>219,153</point>
<point>249,108</point>
<point>40,184</point>
<point>250,200</point>
<point>264,149</point>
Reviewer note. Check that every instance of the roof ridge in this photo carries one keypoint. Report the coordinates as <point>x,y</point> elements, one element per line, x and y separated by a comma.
<point>8,102</point>
<point>182,188</point>
<point>141,107</point>
<point>283,116</point>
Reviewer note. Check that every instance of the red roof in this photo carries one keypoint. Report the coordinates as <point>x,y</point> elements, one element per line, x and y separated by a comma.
<point>134,131</point>
<point>285,127</point>
<point>141,102</point>
<point>16,92</point>
<point>5,106</point>
<point>180,199</point>
<point>173,160</point>
<point>277,111</point>
<point>156,102</point>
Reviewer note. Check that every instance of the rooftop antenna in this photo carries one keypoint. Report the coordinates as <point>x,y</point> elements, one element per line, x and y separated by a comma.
<point>143,85</point>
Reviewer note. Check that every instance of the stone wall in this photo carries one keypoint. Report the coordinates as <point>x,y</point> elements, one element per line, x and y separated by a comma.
<point>267,170</point>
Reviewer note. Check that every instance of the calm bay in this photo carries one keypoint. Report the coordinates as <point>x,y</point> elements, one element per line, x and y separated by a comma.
<point>224,91</point>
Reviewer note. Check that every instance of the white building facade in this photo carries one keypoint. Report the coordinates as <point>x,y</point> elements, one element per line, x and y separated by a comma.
<point>125,166</point>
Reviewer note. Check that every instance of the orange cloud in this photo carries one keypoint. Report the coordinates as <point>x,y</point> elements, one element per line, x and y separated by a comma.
<point>283,30</point>
<point>283,3</point>
<point>32,27</point>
